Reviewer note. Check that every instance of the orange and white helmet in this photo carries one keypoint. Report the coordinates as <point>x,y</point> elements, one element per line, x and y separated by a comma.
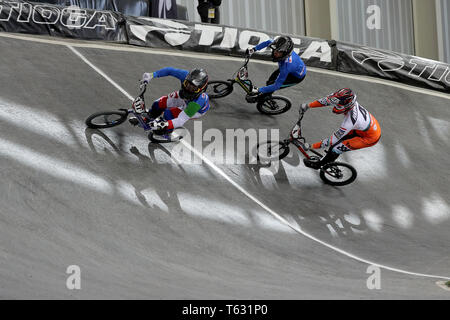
<point>342,100</point>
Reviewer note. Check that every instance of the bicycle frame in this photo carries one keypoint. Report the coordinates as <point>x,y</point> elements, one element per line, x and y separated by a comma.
<point>246,84</point>
<point>298,141</point>
<point>142,123</point>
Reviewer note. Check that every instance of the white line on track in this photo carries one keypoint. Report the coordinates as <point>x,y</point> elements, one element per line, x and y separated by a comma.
<point>127,48</point>
<point>253,198</point>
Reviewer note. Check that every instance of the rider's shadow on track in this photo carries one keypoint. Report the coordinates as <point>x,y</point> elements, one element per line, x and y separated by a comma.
<point>333,220</point>
<point>169,197</point>
<point>147,165</point>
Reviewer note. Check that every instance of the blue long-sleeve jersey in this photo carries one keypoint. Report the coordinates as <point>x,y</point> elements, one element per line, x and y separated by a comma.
<point>180,74</point>
<point>291,65</point>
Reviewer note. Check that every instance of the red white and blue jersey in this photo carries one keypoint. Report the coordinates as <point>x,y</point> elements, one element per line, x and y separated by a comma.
<point>200,104</point>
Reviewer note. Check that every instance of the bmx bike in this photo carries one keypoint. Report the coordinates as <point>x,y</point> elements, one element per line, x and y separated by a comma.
<point>332,173</point>
<point>265,103</point>
<point>109,119</point>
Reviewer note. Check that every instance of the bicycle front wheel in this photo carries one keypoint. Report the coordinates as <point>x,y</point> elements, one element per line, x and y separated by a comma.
<point>219,89</point>
<point>338,174</point>
<point>274,105</point>
<point>106,119</point>
<point>272,150</point>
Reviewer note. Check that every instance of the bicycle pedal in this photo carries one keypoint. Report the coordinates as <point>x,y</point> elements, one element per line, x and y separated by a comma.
<point>251,99</point>
<point>311,164</point>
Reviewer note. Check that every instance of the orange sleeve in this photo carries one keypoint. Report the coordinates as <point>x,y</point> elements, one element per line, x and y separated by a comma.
<point>315,104</point>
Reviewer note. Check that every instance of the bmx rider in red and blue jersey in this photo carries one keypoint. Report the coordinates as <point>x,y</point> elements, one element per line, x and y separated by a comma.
<point>174,110</point>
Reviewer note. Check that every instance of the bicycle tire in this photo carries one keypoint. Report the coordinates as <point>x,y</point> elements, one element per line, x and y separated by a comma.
<point>324,173</point>
<point>91,124</point>
<point>219,89</point>
<point>281,155</point>
<point>266,106</point>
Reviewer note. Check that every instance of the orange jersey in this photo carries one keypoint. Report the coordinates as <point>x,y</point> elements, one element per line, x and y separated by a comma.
<point>359,129</point>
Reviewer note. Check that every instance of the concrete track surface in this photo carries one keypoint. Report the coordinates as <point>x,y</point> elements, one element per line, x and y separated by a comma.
<point>142,225</point>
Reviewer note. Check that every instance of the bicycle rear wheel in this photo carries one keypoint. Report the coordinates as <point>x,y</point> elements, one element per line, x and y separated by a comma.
<point>338,174</point>
<point>272,150</point>
<point>106,119</point>
<point>219,89</point>
<point>274,105</point>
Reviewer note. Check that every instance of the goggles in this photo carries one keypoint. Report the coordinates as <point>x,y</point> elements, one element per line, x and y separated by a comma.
<point>188,86</point>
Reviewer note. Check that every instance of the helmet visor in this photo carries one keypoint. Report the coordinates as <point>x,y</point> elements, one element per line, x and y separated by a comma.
<point>190,87</point>
<point>335,102</point>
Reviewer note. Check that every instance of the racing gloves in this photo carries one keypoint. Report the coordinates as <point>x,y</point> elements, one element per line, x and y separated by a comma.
<point>146,77</point>
<point>304,107</point>
<point>249,51</point>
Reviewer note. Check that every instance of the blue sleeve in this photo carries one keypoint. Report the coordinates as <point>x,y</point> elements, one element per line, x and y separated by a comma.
<point>180,74</point>
<point>264,44</point>
<point>278,83</point>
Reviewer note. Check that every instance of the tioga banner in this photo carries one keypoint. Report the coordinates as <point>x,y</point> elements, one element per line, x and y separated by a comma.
<point>208,38</point>
<point>54,20</point>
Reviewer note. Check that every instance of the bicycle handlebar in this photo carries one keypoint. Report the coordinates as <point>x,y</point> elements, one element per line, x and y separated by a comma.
<point>247,59</point>
<point>142,87</point>
<point>302,114</point>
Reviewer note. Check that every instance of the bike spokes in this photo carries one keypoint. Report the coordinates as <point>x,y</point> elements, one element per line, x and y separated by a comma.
<point>338,174</point>
<point>274,105</point>
<point>272,150</point>
<point>106,119</point>
<point>219,89</point>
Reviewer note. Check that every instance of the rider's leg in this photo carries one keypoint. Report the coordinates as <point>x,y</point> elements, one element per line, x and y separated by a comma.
<point>330,156</point>
<point>270,81</point>
<point>273,77</point>
<point>158,107</point>
<point>289,82</point>
<point>170,114</point>
<point>358,142</point>
<point>178,117</point>
<point>165,102</point>
<point>355,143</point>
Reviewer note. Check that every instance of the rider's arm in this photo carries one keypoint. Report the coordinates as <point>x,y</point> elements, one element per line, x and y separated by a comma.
<point>319,103</point>
<point>263,45</point>
<point>191,109</point>
<point>180,74</point>
<point>278,82</point>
